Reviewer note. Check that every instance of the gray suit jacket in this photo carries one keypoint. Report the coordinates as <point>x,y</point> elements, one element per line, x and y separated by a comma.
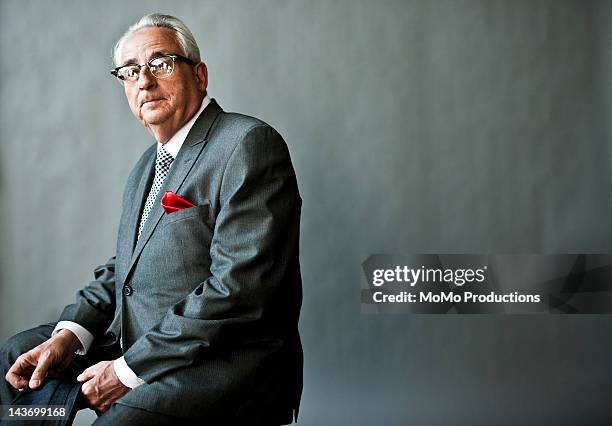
<point>206,304</point>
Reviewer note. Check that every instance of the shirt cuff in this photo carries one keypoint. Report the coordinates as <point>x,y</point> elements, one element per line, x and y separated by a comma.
<point>125,374</point>
<point>84,336</point>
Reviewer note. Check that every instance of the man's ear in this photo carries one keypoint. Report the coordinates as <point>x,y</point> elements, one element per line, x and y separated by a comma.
<point>201,73</point>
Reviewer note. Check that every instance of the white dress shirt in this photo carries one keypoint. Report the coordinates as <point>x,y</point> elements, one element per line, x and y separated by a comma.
<point>124,372</point>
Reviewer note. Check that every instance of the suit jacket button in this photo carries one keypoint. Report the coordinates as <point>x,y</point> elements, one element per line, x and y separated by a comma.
<point>127,290</point>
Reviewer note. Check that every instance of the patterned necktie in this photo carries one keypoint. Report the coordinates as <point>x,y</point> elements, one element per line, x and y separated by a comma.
<point>162,166</point>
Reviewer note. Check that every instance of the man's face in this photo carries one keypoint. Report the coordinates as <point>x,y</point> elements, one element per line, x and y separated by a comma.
<point>162,105</point>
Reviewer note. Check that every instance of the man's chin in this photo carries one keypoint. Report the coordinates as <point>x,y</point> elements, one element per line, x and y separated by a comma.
<point>153,118</point>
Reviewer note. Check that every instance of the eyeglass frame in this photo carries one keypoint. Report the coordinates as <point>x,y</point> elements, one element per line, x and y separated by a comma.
<point>174,56</point>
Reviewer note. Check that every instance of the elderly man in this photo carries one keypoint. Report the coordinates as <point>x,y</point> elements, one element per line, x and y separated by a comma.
<point>196,315</point>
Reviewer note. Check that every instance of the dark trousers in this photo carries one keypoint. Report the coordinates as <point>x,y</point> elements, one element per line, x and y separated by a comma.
<point>65,389</point>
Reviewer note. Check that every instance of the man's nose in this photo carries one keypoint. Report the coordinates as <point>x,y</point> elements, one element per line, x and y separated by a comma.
<point>145,78</point>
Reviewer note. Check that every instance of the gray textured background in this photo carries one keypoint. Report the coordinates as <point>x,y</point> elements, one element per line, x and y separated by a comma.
<point>440,126</point>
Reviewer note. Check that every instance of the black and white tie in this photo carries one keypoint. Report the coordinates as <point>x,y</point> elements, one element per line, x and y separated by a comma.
<point>162,166</point>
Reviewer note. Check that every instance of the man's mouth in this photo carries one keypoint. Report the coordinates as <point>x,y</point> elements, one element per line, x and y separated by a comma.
<point>150,102</point>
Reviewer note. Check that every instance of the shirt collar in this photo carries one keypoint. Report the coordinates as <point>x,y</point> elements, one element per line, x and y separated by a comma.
<point>175,143</point>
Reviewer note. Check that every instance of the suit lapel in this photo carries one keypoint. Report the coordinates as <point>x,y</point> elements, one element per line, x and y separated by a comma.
<point>141,195</point>
<point>181,166</point>
<point>136,192</point>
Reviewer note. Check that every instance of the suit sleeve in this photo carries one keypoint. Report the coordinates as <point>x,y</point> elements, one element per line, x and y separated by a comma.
<point>95,303</point>
<point>259,207</point>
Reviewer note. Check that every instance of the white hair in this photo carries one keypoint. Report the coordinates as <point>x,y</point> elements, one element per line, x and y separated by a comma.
<point>184,37</point>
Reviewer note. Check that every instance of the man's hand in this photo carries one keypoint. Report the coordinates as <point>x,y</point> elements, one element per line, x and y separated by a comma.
<point>102,386</point>
<point>47,359</point>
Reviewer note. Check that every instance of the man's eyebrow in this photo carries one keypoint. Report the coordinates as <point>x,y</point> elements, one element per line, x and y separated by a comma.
<point>131,61</point>
<point>157,54</point>
<point>134,61</point>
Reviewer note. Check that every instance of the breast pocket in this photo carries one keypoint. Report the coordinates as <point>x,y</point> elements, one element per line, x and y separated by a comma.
<point>186,236</point>
<point>192,213</point>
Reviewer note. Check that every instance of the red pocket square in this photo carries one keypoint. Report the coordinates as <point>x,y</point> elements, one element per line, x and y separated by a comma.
<point>172,202</point>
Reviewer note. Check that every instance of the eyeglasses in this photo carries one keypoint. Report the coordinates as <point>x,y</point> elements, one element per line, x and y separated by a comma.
<point>161,67</point>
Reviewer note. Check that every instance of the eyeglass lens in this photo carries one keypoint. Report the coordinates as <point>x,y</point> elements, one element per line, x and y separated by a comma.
<point>159,67</point>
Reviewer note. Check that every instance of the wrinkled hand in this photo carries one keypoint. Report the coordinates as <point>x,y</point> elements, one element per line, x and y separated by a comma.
<point>102,387</point>
<point>47,359</point>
